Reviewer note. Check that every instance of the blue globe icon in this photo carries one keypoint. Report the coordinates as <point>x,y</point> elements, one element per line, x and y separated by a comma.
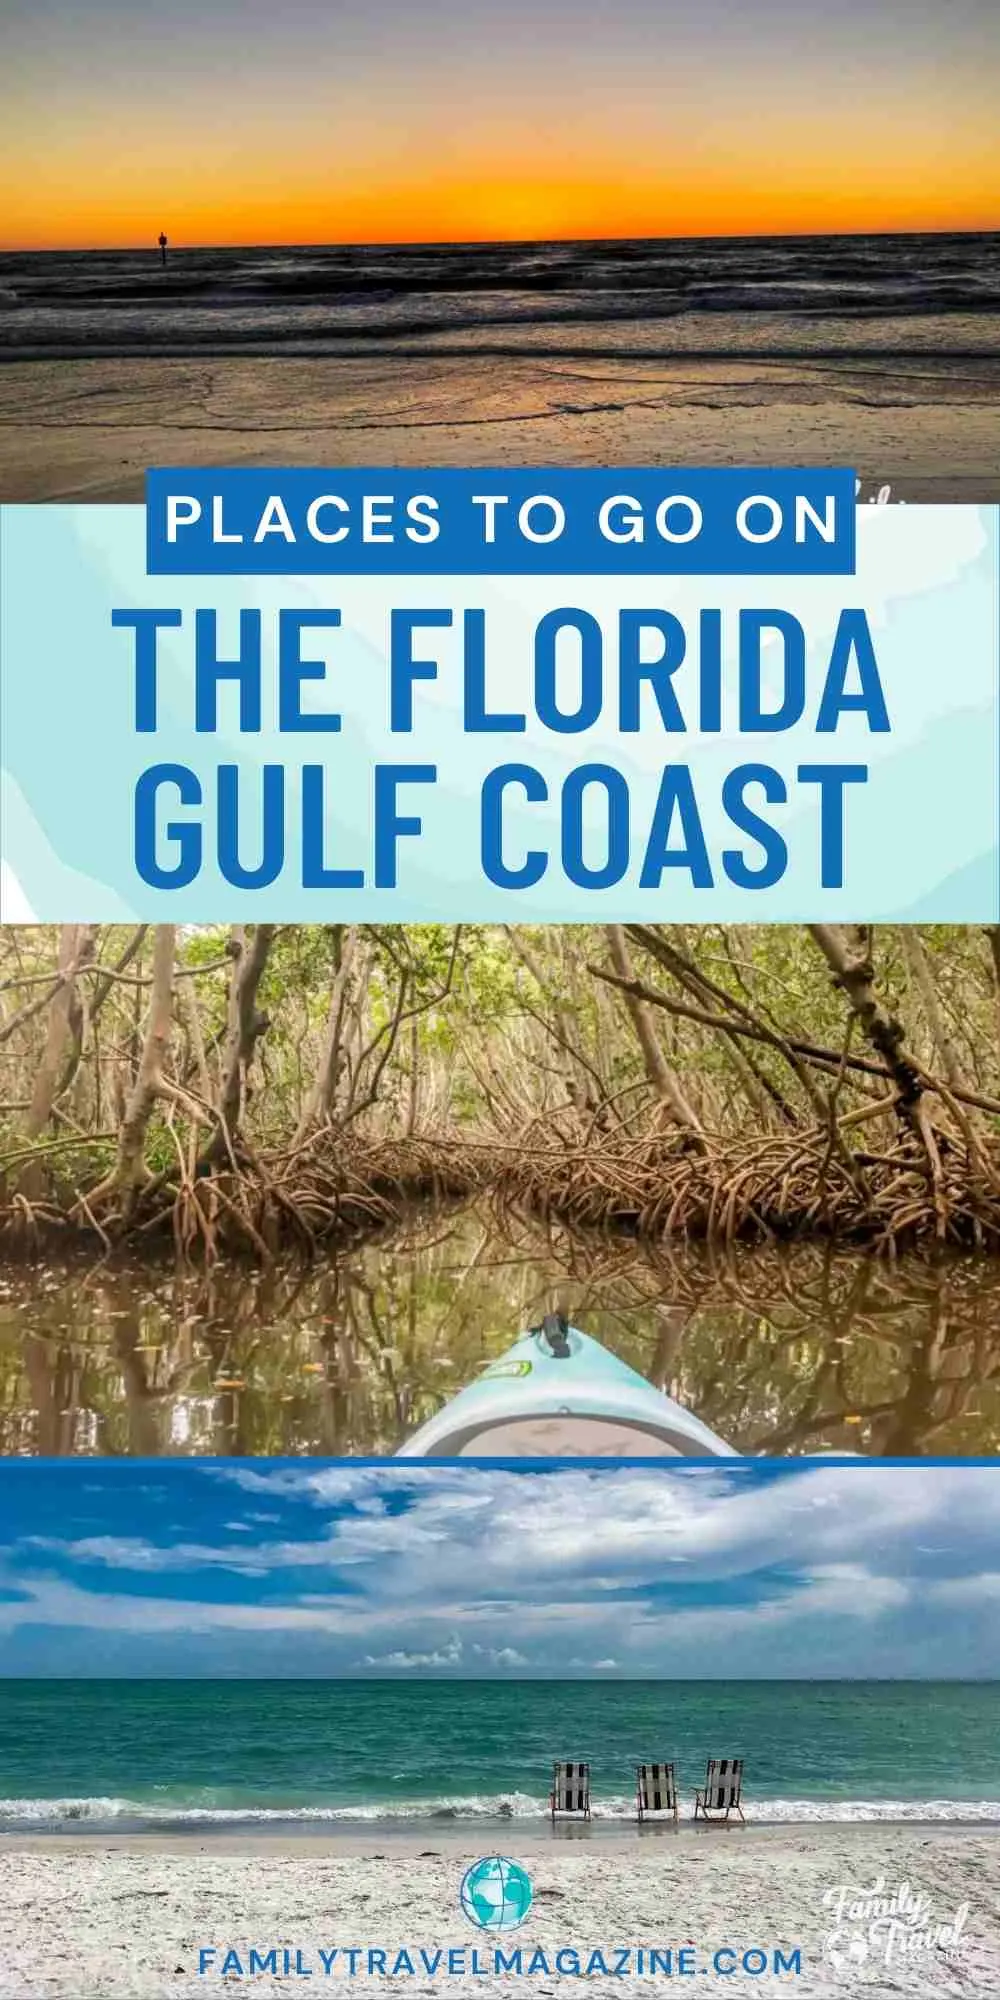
<point>496,1894</point>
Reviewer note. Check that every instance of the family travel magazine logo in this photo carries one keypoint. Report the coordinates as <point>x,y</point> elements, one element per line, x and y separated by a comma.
<point>885,1925</point>
<point>497,1894</point>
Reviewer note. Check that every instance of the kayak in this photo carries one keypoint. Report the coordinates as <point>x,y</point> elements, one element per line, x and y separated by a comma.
<point>557,1393</point>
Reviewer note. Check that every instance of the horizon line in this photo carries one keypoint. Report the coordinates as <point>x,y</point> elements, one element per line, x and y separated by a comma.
<point>495,242</point>
<point>554,1679</point>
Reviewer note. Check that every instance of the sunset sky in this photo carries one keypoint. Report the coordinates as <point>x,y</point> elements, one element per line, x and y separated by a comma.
<point>246,121</point>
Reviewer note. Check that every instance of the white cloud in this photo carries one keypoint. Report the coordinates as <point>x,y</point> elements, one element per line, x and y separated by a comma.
<point>446,1656</point>
<point>822,1569</point>
<point>982,1588</point>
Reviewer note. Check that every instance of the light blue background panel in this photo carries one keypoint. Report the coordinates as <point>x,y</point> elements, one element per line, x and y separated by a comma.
<point>920,834</point>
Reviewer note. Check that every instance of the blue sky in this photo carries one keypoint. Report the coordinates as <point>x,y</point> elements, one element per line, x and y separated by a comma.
<point>299,1568</point>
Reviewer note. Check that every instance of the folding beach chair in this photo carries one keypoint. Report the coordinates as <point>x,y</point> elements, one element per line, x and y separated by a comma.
<point>722,1789</point>
<point>655,1790</point>
<point>570,1790</point>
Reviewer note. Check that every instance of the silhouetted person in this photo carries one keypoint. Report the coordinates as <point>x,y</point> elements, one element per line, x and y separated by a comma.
<point>163,247</point>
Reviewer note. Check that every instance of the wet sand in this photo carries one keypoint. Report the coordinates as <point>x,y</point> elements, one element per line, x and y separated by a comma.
<point>129,1915</point>
<point>397,1840</point>
<point>87,429</point>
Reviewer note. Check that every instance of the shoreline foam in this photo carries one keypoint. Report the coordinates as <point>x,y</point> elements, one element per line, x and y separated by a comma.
<point>528,1816</point>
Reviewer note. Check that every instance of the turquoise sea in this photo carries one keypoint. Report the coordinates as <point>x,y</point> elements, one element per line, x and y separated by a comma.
<point>87,1754</point>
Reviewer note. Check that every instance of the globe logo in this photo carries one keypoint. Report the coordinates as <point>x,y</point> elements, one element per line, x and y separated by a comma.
<point>496,1894</point>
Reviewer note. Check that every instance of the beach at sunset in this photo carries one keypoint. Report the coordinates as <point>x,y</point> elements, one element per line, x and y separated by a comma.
<point>537,234</point>
<point>881,352</point>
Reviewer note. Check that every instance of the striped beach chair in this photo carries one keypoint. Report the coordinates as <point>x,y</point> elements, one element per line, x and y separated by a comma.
<point>570,1790</point>
<point>722,1789</point>
<point>655,1790</point>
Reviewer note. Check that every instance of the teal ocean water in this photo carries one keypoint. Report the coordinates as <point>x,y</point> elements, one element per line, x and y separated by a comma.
<point>85,1754</point>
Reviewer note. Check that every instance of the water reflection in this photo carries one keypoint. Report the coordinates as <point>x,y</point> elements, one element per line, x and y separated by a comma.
<point>780,1351</point>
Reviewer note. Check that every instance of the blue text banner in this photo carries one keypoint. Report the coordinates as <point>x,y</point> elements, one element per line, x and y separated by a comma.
<point>500,522</point>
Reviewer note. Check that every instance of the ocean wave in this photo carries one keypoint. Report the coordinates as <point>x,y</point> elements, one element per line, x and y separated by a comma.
<point>870,271</point>
<point>56,1814</point>
<point>773,292</point>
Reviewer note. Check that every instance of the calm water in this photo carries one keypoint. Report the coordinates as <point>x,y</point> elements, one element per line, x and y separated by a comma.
<point>80,1753</point>
<point>883,295</point>
<point>794,1352</point>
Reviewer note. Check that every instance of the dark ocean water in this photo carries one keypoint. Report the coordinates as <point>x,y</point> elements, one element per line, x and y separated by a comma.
<point>774,296</point>
<point>92,1753</point>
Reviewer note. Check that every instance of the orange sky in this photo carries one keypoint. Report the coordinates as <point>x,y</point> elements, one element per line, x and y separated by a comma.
<point>336,122</point>
<point>205,208</point>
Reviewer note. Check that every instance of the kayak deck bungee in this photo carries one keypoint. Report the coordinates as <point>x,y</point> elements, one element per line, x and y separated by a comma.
<point>557,1393</point>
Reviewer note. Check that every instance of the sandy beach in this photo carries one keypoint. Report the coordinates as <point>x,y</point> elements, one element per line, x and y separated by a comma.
<point>86,430</point>
<point>127,1916</point>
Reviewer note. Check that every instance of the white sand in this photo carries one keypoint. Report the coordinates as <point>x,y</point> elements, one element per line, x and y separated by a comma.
<point>87,430</point>
<point>100,1917</point>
